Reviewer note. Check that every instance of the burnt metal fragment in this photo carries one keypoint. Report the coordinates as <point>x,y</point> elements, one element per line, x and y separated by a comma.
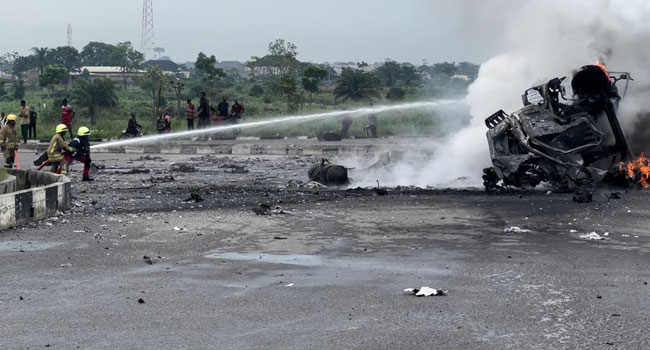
<point>328,174</point>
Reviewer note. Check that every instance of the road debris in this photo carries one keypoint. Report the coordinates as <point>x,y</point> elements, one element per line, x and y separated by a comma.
<point>515,229</point>
<point>262,209</point>
<point>194,197</point>
<point>328,174</point>
<point>593,236</point>
<point>614,195</point>
<point>161,179</point>
<point>279,211</point>
<point>380,191</point>
<point>425,292</point>
<point>66,265</point>
<point>182,168</point>
<point>137,171</point>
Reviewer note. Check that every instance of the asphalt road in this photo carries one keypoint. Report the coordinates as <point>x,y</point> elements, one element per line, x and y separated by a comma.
<point>327,274</point>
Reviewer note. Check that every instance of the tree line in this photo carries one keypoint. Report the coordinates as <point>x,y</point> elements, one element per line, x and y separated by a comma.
<point>276,76</point>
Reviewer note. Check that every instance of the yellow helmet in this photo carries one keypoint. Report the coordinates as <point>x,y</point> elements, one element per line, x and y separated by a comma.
<point>83,131</point>
<point>11,117</point>
<point>61,128</point>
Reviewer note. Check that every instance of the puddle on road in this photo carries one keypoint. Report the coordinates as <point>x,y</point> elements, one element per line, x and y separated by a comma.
<point>295,259</point>
<point>16,246</point>
<point>384,263</point>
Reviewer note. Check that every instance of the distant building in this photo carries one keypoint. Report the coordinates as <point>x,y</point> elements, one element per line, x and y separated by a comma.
<point>339,66</point>
<point>113,73</point>
<point>5,75</point>
<point>270,65</point>
<point>460,77</point>
<point>167,66</point>
<point>230,67</point>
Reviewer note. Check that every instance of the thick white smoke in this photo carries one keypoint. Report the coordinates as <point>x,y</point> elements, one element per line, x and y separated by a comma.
<point>545,39</point>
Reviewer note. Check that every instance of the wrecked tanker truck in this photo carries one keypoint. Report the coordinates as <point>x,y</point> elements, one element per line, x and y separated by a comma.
<point>572,143</point>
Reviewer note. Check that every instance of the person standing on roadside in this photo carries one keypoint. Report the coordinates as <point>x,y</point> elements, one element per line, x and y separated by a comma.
<point>237,110</point>
<point>190,114</point>
<point>204,111</point>
<point>67,113</point>
<point>222,109</point>
<point>32,123</point>
<point>24,120</point>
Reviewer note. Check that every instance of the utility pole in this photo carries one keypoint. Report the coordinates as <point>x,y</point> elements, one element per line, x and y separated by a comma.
<point>146,41</point>
<point>178,88</point>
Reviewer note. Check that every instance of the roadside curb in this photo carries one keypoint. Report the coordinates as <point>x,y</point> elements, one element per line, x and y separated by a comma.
<point>39,195</point>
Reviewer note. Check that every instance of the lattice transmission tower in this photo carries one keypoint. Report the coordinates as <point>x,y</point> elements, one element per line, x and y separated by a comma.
<point>146,42</point>
<point>70,35</point>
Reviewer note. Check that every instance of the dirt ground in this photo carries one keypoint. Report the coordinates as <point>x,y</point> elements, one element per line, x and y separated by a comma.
<point>167,252</point>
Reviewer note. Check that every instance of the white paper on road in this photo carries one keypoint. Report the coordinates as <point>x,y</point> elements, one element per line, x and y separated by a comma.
<point>592,236</point>
<point>515,229</point>
<point>425,291</point>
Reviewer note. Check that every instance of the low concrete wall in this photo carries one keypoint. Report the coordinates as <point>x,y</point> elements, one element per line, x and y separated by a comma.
<point>37,196</point>
<point>8,185</point>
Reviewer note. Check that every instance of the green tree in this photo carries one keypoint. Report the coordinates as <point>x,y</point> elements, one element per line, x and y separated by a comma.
<point>357,85</point>
<point>288,87</point>
<point>66,57</point>
<point>409,75</point>
<point>443,70</point>
<point>256,90</point>
<point>281,60</point>
<point>94,94</point>
<point>52,75</point>
<point>389,73</point>
<point>19,89</point>
<point>396,93</point>
<point>2,88</point>
<point>127,58</point>
<point>153,82</point>
<point>209,74</point>
<point>40,54</point>
<point>7,60</point>
<point>97,54</point>
<point>22,64</point>
<point>311,77</point>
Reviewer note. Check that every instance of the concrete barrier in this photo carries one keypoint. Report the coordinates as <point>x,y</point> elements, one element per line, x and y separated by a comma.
<point>37,195</point>
<point>8,185</point>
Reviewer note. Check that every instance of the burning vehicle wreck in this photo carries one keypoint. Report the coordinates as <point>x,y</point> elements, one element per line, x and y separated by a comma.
<point>571,143</point>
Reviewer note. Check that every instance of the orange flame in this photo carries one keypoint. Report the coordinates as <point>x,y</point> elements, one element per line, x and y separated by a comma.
<point>638,169</point>
<point>602,66</point>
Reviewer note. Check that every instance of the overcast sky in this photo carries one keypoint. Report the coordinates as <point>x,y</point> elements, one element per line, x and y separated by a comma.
<point>326,30</point>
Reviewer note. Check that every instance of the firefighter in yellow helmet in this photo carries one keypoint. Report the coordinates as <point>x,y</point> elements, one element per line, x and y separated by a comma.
<point>56,149</point>
<point>9,140</point>
<point>81,144</point>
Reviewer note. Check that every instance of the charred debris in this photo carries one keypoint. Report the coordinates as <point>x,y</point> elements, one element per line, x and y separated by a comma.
<point>572,143</point>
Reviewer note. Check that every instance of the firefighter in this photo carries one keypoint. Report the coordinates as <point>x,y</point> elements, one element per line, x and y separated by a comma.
<point>56,149</point>
<point>9,141</point>
<point>81,144</point>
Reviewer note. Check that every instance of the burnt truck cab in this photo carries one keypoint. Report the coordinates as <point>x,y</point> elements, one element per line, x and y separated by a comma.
<point>571,143</point>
